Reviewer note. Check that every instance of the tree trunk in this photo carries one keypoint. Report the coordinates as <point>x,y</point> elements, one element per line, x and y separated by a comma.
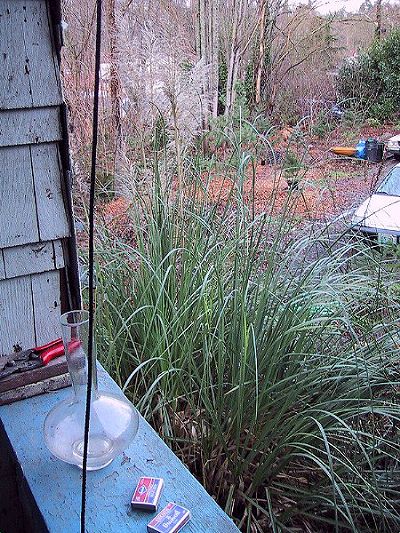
<point>115,97</point>
<point>378,31</point>
<point>214,57</point>
<point>229,82</point>
<point>207,39</point>
<point>231,64</point>
<point>261,51</point>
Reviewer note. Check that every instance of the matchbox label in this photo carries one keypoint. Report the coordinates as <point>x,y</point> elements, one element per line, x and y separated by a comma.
<point>147,493</point>
<point>170,520</point>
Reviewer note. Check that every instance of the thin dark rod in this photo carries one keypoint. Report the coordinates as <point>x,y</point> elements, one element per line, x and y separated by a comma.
<point>95,125</point>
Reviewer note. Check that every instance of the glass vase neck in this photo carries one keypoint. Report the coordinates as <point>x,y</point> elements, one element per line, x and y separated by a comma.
<point>75,334</point>
<point>113,420</point>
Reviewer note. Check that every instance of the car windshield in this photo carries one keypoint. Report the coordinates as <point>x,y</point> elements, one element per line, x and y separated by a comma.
<point>391,184</point>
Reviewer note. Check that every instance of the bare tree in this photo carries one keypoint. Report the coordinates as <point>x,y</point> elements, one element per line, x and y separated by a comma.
<point>115,93</point>
<point>261,49</point>
<point>378,31</point>
<point>269,12</point>
<point>239,31</point>
<point>206,14</point>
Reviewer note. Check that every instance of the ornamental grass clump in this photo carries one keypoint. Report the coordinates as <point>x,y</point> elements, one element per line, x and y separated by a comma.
<point>274,378</point>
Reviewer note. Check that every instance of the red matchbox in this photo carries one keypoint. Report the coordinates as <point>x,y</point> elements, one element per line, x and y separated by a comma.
<point>147,493</point>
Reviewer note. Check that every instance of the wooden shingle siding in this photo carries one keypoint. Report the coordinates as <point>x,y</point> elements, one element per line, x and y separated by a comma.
<point>58,254</point>
<point>18,214</point>
<point>31,126</point>
<point>40,52</point>
<point>52,217</point>
<point>23,260</point>
<point>46,305</point>
<point>38,265</point>
<point>17,322</point>
<point>28,61</point>
<point>33,208</point>
<point>32,258</point>
<point>34,317</point>
<point>2,268</point>
<point>14,79</point>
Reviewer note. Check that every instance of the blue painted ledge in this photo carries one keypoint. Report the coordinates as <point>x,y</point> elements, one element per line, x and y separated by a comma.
<point>54,487</point>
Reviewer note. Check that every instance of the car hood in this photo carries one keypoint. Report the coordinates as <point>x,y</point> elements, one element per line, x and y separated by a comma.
<point>379,211</point>
<point>396,138</point>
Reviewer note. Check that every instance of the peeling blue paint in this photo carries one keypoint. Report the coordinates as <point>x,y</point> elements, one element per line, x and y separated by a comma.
<point>56,486</point>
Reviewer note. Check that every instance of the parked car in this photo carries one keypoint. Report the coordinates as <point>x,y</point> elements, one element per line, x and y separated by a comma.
<point>393,146</point>
<point>378,217</point>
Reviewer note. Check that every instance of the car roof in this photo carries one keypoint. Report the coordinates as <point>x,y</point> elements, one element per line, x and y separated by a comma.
<point>395,138</point>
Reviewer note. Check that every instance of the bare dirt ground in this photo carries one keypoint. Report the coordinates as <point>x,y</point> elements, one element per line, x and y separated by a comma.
<point>330,185</point>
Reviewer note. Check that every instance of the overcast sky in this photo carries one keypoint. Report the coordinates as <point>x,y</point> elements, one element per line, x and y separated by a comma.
<point>332,5</point>
<point>327,6</point>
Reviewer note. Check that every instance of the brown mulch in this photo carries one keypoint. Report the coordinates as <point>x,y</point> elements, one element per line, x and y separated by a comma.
<point>325,190</point>
<point>330,186</point>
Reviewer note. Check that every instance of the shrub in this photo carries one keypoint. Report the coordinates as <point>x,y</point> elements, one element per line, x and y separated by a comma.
<point>370,82</point>
<point>291,169</point>
<point>322,124</point>
<point>383,110</point>
<point>374,122</point>
<point>235,125</point>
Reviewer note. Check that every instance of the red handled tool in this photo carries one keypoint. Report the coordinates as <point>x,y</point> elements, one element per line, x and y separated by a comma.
<point>34,358</point>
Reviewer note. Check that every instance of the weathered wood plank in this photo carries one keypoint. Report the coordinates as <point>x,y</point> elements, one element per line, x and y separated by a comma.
<point>52,216</point>
<point>43,67</point>
<point>59,261</point>
<point>46,306</point>
<point>14,64</point>
<point>16,314</point>
<point>39,387</point>
<point>30,126</point>
<point>2,269</point>
<point>30,74</point>
<point>55,368</point>
<point>29,259</point>
<point>18,221</point>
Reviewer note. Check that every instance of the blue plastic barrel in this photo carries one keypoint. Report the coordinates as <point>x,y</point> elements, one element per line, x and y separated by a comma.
<point>361,148</point>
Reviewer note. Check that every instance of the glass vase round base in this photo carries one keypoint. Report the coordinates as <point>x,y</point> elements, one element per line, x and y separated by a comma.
<point>113,419</point>
<point>113,424</point>
<point>98,450</point>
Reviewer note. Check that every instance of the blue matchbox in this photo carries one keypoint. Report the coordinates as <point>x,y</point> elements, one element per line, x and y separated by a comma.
<point>170,520</point>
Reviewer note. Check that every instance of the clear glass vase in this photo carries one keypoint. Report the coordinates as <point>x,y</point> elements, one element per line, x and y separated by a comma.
<point>113,419</point>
